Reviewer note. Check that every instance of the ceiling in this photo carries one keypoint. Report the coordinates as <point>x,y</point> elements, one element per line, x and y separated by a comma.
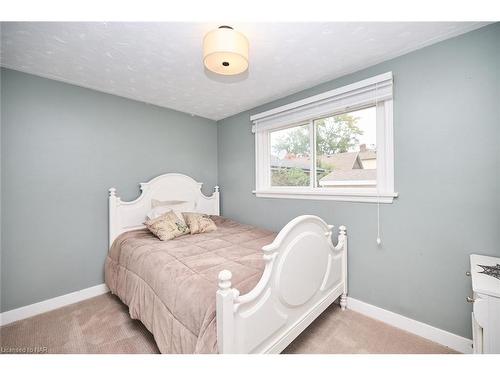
<point>161,63</point>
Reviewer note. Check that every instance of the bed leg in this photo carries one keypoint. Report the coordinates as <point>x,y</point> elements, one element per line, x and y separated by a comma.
<point>343,301</point>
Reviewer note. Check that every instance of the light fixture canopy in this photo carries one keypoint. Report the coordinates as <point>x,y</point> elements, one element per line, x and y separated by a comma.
<point>225,51</point>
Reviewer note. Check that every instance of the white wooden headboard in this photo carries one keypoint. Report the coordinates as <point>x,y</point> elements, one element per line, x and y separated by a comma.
<point>125,216</point>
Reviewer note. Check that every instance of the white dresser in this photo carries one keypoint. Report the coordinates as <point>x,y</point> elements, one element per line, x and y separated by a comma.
<point>486,305</point>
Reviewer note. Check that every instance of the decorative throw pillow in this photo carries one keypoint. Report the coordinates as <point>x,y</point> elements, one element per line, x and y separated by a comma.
<point>167,226</point>
<point>199,223</point>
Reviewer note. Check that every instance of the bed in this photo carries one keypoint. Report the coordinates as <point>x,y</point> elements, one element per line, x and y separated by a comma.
<point>239,289</point>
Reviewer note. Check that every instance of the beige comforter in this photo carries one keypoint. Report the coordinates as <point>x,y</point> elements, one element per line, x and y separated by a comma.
<point>170,286</point>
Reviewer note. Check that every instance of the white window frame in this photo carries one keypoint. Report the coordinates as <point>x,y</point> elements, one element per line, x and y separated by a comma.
<point>375,91</point>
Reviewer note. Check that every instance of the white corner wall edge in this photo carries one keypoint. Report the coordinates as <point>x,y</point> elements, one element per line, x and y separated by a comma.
<point>451,340</point>
<point>51,304</point>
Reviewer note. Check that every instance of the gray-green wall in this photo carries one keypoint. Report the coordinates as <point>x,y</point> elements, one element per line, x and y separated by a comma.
<point>62,148</point>
<point>447,167</point>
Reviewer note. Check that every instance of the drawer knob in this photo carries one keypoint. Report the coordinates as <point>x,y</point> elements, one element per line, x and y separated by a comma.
<point>470,299</point>
<point>467,273</point>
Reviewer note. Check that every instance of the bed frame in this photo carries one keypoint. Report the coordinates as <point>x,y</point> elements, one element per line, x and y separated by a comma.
<point>304,272</point>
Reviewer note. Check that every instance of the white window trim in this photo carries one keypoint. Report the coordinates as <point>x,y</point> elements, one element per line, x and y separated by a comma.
<point>350,183</point>
<point>372,91</point>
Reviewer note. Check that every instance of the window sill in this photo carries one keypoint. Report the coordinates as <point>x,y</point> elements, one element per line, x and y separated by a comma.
<point>346,196</point>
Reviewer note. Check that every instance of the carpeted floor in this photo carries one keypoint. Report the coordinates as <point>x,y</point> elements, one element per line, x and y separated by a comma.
<point>102,325</point>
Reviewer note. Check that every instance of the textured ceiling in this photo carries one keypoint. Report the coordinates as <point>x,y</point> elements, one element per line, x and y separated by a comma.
<point>161,63</point>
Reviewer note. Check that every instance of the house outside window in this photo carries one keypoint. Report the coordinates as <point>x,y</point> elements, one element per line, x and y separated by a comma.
<point>337,145</point>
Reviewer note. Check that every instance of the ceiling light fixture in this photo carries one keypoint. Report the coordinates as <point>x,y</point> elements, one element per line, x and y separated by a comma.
<point>225,51</point>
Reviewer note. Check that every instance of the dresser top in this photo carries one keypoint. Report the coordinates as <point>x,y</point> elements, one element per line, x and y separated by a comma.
<point>482,283</point>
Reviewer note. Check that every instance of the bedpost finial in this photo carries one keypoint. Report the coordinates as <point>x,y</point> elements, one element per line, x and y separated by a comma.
<point>112,192</point>
<point>216,188</point>
<point>329,232</point>
<point>225,279</point>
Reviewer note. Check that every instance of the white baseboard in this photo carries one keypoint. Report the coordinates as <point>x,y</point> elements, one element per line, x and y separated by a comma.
<point>458,343</point>
<point>51,304</point>
<point>455,342</point>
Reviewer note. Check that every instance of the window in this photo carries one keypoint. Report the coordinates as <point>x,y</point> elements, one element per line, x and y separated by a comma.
<point>346,149</point>
<point>291,156</point>
<point>337,145</point>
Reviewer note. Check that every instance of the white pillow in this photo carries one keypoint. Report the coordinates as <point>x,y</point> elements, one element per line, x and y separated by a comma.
<point>156,203</point>
<point>161,207</point>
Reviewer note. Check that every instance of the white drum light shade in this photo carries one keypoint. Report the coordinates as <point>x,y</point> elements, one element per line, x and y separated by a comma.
<point>225,51</point>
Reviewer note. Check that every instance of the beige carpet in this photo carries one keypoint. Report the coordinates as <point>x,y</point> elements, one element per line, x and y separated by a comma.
<point>102,325</point>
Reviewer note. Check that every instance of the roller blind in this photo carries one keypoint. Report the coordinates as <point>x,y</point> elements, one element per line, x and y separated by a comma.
<point>356,95</point>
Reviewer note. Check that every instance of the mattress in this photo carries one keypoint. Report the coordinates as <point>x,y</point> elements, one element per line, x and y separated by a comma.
<point>170,286</point>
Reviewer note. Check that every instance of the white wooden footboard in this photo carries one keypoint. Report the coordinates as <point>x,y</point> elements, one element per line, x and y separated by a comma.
<point>304,274</point>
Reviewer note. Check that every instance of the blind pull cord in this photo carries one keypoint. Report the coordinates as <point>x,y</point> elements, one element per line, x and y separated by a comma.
<point>379,241</point>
